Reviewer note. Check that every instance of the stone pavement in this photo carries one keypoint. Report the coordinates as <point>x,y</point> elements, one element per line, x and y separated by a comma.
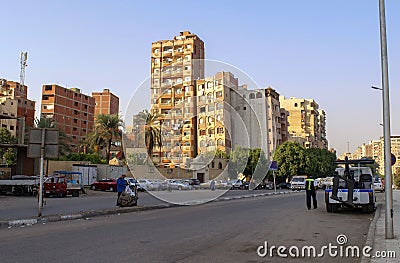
<point>383,249</point>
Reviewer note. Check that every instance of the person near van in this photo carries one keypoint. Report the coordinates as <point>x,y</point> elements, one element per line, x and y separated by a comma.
<point>310,192</point>
<point>121,184</point>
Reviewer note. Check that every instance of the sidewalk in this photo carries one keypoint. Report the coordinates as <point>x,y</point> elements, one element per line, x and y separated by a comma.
<point>376,235</point>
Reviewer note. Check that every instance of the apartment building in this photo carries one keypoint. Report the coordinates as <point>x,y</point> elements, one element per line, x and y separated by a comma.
<point>105,102</point>
<point>306,122</point>
<point>176,64</point>
<point>70,110</point>
<point>260,121</point>
<point>214,112</point>
<point>15,107</point>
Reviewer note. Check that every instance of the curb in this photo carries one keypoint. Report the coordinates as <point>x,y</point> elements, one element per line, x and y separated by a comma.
<point>372,231</point>
<point>95,213</point>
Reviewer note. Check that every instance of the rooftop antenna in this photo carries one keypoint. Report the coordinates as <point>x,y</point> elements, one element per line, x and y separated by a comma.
<point>23,59</point>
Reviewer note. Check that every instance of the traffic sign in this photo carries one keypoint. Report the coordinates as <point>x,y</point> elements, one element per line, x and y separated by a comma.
<point>274,166</point>
<point>393,158</point>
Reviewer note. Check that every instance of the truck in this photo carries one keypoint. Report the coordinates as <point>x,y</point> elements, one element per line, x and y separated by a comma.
<point>352,187</point>
<point>20,185</point>
<point>63,183</point>
<point>298,182</point>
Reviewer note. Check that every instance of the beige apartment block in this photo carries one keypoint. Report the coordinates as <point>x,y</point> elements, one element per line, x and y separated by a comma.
<point>260,121</point>
<point>214,112</point>
<point>306,122</point>
<point>176,64</point>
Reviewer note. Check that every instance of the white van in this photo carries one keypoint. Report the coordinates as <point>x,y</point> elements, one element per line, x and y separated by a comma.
<point>298,182</point>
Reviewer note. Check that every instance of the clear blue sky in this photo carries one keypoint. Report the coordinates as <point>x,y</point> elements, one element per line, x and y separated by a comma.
<point>325,50</point>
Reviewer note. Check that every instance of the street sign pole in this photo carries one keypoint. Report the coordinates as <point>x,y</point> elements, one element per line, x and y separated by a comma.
<point>41,173</point>
<point>386,125</point>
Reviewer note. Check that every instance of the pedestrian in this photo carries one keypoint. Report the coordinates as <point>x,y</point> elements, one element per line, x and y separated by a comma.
<point>212,185</point>
<point>121,184</point>
<point>310,192</point>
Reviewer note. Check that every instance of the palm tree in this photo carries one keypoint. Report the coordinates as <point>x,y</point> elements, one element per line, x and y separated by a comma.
<point>152,131</point>
<point>107,129</point>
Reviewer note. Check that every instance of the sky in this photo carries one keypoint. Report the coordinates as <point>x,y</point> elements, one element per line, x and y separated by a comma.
<point>328,51</point>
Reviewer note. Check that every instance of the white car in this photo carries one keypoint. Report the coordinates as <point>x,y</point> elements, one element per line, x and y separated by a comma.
<point>178,185</point>
<point>148,184</point>
<point>378,185</point>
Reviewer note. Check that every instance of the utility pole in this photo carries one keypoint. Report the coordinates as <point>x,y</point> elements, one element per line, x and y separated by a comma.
<point>386,125</point>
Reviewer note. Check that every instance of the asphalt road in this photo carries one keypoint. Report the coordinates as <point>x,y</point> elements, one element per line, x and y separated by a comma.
<point>12,207</point>
<point>228,231</point>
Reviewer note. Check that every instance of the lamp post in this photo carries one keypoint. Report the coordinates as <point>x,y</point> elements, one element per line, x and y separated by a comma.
<point>386,125</point>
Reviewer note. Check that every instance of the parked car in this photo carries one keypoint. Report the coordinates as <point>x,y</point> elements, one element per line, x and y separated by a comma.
<point>236,184</point>
<point>133,183</point>
<point>107,184</point>
<point>283,185</point>
<point>148,185</point>
<point>178,184</point>
<point>194,183</point>
<point>378,185</point>
<point>222,184</point>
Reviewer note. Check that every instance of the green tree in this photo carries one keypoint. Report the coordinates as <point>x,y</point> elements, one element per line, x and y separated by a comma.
<point>152,131</point>
<point>238,160</point>
<point>291,158</point>
<point>319,162</point>
<point>107,129</point>
<point>8,154</point>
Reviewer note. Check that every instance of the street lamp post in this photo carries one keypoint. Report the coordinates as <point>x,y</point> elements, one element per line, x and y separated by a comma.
<point>386,125</point>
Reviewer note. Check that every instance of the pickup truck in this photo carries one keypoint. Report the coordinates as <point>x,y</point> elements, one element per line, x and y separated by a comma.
<point>59,185</point>
<point>20,185</point>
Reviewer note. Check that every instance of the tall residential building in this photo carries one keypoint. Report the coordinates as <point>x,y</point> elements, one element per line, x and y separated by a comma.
<point>175,66</point>
<point>105,102</point>
<point>261,117</point>
<point>306,122</point>
<point>214,112</point>
<point>15,106</point>
<point>72,111</point>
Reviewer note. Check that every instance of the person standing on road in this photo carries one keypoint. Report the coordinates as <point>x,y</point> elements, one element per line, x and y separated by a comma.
<point>310,192</point>
<point>121,184</point>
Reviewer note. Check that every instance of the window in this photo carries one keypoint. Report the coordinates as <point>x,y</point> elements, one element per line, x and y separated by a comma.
<point>220,106</point>
<point>210,107</point>
<point>220,142</point>
<point>157,61</point>
<point>201,120</point>
<point>219,165</point>
<point>202,132</point>
<point>259,95</point>
<point>187,67</point>
<point>186,144</point>
<point>220,130</point>
<point>210,85</point>
<point>85,106</point>
<point>295,104</point>
<point>187,78</point>
<point>251,96</point>
<point>203,143</point>
<point>219,94</point>
<point>179,81</point>
<point>210,119</point>
<point>187,88</point>
<point>11,127</point>
<point>211,131</point>
<point>75,120</point>
<point>48,87</point>
<point>202,109</point>
<point>211,143</point>
<point>75,103</point>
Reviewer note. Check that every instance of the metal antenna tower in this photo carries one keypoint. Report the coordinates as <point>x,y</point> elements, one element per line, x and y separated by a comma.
<point>23,59</point>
